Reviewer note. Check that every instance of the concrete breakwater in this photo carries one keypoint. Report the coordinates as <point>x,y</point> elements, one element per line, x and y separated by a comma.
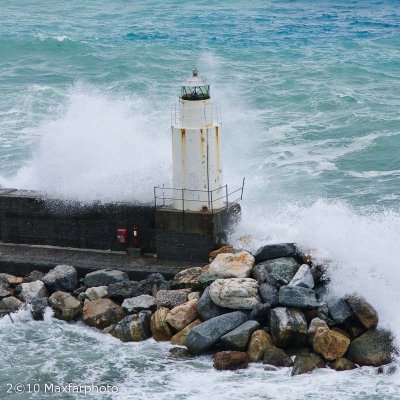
<point>242,308</point>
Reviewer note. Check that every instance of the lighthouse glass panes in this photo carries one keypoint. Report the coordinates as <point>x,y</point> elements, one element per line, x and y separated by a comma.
<point>195,92</point>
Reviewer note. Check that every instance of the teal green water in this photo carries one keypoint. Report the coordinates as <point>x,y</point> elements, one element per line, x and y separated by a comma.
<point>310,106</point>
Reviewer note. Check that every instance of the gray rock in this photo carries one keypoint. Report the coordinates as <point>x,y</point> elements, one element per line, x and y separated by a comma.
<point>269,294</point>
<point>96,292</point>
<point>10,304</point>
<point>179,353</point>
<point>315,324</point>
<point>65,306</point>
<point>322,312</point>
<point>5,291</point>
<point>171,298</point>
<point>274,280</point>
<point>303,277</point>
<point>207,308</point>
<point>373,348</point>
<point>339,310</point>
<point>260,313</point>
<point>307,363</point>
<point>139,303</point>
<point>240,336</point>
<point>62,278</point>
<point>38,307</point>
<point>132,328</point>
<point>105,277</point>
<point>34,276</point>
<point>204,336</point>
<point>126,289</point>
<point>297,297</point>
<point>288,327</point>
<point>276,357</point>
<point>272,251</point>
<point>284,268</point>
<point>32,289</point>
<point>364,312</point>
<point>206,279</point>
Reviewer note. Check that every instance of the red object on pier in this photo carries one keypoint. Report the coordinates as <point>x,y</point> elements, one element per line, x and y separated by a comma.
<point>122,235</point>
<point>135,236</point>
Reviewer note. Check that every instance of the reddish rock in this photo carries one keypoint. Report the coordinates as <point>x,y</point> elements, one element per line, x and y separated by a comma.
<point>160,330</point>
<point>231,360</point>
<point>101,313</point>
<point>364,312</point>
<point>224,249</point>
<point>330,344</point>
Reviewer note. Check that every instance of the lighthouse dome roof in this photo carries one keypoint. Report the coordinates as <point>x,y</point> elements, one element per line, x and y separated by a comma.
<point>195,80</point>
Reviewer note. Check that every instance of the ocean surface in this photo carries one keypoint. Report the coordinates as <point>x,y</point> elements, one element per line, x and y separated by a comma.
<point>310,98</point>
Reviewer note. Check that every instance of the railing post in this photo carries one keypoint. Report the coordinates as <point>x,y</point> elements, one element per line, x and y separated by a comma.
<point>155,197</point>
<point>226,193</point>
<point>212,205</point>
<point>163,196</point>
<point>241,196</point>
<point>183,200</point>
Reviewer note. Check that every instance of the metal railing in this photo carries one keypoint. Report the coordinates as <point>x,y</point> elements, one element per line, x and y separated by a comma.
<point>165,196</point>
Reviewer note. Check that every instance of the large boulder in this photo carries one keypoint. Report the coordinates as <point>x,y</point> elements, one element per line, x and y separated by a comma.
<point>303,277</point>
<point>125,289</point>
<point>104,277</point>
<point>63,278</point>
<point>187,279</point>
<point>132,328</point>
<point>10,304</point>
<point>171,298</point>
<point>180,337</point>
<point>272,251</point>
<point>207,308</point>
<point>160,330</point>
<point>339,310</point>
<point>276,357</point>
<point>96,292</point>
<point>204,336</point>
<point>33,289</point>
<point>306,363</point>
<point>282,268</point>
<point>269,294</point>
<point>101,313</point>
<point>235,293</point>
<point>230,360</point>
<point>228,265</point>
<point>181,316</point>
<point>330,344</point>
<point>258,344</point>
<point>65,306</point>
<point>288,327</point>
<point>373,348</point>
<point>297,297</point>
<point>139,303</point>
<point>364,312</point>
<point>238,338</point>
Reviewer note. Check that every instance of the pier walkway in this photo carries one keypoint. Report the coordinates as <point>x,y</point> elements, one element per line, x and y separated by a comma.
<point>19,260</point>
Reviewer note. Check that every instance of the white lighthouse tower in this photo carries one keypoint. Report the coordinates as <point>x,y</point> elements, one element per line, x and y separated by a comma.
<point>195,215</point>
<point>197,171</point>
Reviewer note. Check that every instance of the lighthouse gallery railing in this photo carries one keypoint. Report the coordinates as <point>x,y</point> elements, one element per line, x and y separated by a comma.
<point>163,198</point>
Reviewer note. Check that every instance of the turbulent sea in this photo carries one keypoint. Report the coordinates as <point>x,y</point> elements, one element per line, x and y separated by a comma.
<point>310,98</point>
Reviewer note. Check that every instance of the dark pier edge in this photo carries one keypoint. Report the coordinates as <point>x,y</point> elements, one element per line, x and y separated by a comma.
<point>37,231</point>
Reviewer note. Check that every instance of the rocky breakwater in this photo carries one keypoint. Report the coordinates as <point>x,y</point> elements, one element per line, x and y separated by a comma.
<point>268,307</point>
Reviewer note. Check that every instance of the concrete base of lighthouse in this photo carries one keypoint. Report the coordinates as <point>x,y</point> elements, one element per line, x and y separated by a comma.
<point>190,236</point>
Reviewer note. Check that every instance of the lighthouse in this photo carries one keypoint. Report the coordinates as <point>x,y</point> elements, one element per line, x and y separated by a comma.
<point>193,216</point>
<point>197,170</point>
